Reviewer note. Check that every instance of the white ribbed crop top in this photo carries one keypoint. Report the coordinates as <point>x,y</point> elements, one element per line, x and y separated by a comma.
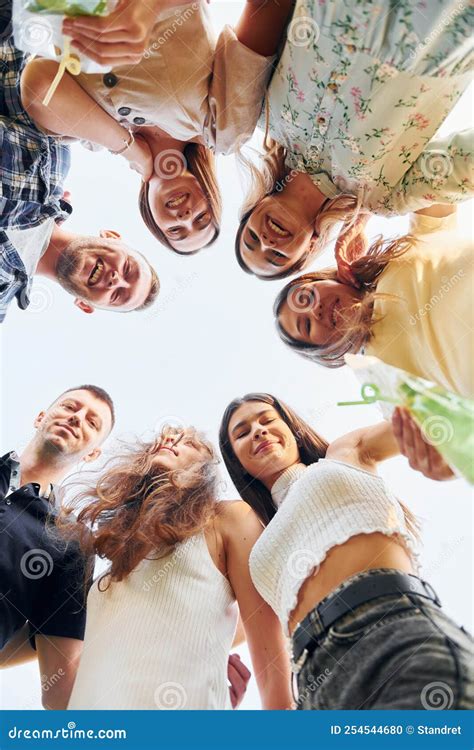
<point>319,507</point>
<point>159,639</point>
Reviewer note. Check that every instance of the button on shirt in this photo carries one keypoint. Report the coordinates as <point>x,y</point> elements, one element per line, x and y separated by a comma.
<point>42,576</point>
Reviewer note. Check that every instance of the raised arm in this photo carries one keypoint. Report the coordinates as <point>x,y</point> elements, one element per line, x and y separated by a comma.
<point>367,447</point>
<point>240,530</point>
<point>262,23</point>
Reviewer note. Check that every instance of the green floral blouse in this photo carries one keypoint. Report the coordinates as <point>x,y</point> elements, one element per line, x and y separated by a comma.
<point>359,92</point>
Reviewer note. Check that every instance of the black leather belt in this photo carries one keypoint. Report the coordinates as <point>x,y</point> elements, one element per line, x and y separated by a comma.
<point>359,592</point>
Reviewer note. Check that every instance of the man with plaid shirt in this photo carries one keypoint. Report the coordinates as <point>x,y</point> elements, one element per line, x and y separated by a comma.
<point>33,168</point>
<point>101,272</point>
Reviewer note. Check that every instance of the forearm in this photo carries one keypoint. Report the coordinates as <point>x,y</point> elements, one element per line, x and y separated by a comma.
<point>365,447</point>
<point>71,111</point>
<point>18,650</point>
<point>262,24</point>
<point>438,210</point>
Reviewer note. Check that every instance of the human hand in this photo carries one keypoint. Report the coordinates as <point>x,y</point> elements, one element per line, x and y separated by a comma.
<point>121,38</point>
<point>238,676</point>
<point>422,456</point>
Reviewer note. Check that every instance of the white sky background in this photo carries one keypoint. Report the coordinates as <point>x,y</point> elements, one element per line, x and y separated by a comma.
<point>210,339</point>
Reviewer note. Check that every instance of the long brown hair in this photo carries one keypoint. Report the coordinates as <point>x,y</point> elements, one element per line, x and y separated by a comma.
<point>311,447</point>
<point>200,162</point>
<point>271,178</point>
<point>366,270</point>
<point>136,510</point>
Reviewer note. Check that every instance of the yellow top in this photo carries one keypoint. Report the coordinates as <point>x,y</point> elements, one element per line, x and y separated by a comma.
<point>428,328</point>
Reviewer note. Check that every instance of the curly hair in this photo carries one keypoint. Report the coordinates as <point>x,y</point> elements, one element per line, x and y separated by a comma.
<point>136,510</point>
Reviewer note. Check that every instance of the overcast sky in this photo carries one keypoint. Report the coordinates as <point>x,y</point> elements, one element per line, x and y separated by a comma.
<point>211,338</point>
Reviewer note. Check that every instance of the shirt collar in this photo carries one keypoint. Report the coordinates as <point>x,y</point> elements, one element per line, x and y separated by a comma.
<point>282,485</point>
<point>15,476</point>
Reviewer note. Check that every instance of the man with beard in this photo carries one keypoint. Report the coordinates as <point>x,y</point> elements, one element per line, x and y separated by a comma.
<point>42,575</point>
<point>98,271</point>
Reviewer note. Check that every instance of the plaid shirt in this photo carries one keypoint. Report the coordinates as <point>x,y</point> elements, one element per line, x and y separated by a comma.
<point>33,167</point>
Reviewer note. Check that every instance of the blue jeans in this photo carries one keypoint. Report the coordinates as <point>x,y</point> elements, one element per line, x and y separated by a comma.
<point>396,652</point>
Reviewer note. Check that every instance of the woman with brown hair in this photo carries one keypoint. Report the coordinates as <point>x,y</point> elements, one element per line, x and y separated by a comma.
<point>407,301</point>
<point>161,619</point>
<point>337,563</point>
<point>168,108</point>
<point>352,112</point>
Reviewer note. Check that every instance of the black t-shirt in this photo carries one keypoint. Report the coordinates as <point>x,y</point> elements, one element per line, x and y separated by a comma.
<point>42,575</point>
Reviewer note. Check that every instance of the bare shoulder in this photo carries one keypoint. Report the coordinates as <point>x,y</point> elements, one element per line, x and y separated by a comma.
<point>236,517</point>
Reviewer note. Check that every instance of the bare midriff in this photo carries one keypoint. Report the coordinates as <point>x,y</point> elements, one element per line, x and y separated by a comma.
<point>359,553</point>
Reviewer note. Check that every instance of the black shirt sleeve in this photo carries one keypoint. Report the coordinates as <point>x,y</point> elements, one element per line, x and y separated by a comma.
<point>62,611</point>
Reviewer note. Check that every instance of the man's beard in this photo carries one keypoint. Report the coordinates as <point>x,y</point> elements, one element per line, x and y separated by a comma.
<point>69,262</point>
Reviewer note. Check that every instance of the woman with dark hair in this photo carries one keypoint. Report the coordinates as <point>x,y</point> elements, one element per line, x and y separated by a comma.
<point>337,563</point>
<point>406,301</point>
<point>353,108</point>
<point>161,620</point>
<point>167,109</point>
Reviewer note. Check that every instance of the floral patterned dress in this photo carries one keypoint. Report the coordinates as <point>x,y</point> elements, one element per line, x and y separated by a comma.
<point>360,90</point>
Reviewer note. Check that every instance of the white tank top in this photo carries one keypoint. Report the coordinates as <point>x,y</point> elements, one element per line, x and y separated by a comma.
<point>161,638</point>
<point>319,507</point>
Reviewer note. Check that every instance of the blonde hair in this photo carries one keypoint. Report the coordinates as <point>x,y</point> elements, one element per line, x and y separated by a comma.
<point>366,271</point>
<point>201,163</point>
<point>272,177</point>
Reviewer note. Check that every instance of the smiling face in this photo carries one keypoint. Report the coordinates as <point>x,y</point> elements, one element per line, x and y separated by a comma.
<point>319,312</point>
<point>181,211</point>
<point>275,237</point>
<point>262,441</point>
<point>109,276</point>
<point>75,425</point>
<point>179,449</point>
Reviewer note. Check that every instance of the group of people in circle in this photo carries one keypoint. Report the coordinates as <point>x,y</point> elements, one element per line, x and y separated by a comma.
<point>318,553</point>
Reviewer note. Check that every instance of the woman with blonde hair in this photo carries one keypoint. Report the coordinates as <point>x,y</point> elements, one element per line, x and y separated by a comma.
<point>161,619</point>
<point>351,114</point>
<point>407,301</point>
<point>337,563</point>
<point>169,111</point>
